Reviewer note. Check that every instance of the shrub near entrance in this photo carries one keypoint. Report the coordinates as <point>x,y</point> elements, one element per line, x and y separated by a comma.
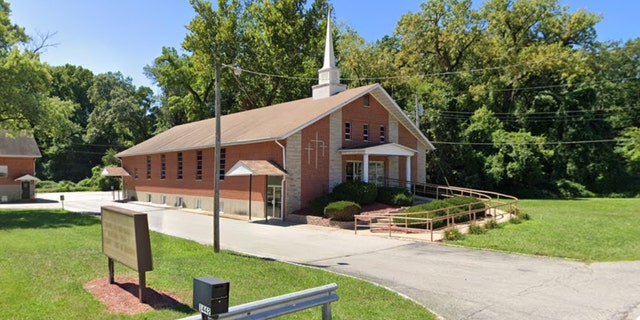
<point>395,196</point>
<point>356,191</point>
<point>341,210</point>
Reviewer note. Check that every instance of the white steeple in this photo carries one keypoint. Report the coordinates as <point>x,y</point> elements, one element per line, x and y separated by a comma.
<point>329,75</point>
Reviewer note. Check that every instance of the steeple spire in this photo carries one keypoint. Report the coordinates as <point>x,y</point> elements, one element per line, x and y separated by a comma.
<point>329,56</point>
<point>329,75</point>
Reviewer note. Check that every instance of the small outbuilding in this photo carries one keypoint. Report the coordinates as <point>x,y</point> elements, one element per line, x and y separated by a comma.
<point>18,154</point>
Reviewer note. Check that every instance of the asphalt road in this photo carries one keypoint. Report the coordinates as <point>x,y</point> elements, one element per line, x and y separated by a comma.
<point>455,283</point>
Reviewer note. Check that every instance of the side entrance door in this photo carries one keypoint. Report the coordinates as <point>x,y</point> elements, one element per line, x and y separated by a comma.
<point>274,197</point>
<point>26,190</point>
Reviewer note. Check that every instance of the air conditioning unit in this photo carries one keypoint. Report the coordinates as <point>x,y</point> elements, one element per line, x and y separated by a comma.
<point>4,198</point>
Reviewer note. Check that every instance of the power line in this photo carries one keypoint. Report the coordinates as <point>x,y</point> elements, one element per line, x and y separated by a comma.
<point>528,143</point>
<point>538,112</point>
<point>434,74</point>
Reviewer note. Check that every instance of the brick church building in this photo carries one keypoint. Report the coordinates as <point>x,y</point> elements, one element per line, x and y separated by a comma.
<point>275,159</point>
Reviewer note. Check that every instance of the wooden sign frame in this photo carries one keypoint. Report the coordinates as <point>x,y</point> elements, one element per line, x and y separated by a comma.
<point>125,238</point>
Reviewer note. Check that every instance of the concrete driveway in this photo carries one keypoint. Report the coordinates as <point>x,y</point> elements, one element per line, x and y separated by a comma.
<point>455,283</point>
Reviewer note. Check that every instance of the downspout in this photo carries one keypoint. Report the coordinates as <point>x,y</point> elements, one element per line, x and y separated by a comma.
<point>284,159</point>
<point>123,189</point>
<point>284,178</point>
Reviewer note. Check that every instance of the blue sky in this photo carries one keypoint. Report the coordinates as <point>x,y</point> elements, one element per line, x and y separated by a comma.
<point>126,35</point>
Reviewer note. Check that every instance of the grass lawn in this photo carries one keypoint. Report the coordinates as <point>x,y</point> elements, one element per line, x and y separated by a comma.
<point>47,256</point>
<point>584,229</point>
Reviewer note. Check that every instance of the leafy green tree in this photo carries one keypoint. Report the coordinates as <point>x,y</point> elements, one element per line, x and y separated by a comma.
<point>99,182</point>
<point>361,61</point>
<point>69,83</point>
<point>519,163</point>
<point>123,114</point>
<point>25,83</point>
<point>629,149</point>
<point>283,37</point>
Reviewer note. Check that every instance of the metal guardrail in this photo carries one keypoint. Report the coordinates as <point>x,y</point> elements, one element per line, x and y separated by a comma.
<point>281,305</point>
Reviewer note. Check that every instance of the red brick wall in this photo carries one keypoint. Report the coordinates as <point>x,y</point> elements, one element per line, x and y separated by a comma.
<point>375,115</point>
<point>315,161</point>
<point>17,167</point>
<point>230,187</point>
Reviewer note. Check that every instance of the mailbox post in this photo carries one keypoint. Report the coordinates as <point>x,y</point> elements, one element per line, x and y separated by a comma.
<point>62,200</point>
<point>210,296</point>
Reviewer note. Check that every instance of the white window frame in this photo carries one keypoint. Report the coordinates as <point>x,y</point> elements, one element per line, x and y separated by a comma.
<point>347,130</point>
<point>4,171</point>
<point>365,132</point>
<point>374,175</point>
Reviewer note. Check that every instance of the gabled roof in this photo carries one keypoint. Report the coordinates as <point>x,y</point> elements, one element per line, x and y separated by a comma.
<point>271,123</point>
<point>255,168</point>
<point>27,177</point>
<point>18,145</point>
<point>114,172</point>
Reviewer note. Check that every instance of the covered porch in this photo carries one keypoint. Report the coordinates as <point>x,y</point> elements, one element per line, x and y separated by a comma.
<point>383,150</point>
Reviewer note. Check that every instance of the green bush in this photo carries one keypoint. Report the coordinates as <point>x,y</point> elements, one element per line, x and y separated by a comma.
<point>63,186</point>
<point>569,189</point>
<point>318,204</point>
<point>46,184</point>
<point>524,216</point>
<point>341,210</point>
<point>452,234</point>
<point>475,228</point>
<point>442,206</point>
<point>356,191</point>
<point>395,196</point>
<point>515,220</point>
<point>462,204</point>
<point>491,224</point>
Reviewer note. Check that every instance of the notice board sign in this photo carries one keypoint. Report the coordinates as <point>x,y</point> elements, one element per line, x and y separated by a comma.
<point>125,237</point>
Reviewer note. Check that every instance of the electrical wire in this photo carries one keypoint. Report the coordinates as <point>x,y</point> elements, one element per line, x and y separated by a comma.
<point>555,143</point>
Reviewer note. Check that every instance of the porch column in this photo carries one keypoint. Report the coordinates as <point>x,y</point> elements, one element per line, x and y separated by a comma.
<point>365,168</point>
<point>408,172</point>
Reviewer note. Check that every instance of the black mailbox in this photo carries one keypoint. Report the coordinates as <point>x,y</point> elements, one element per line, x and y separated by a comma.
<point>210,295</point>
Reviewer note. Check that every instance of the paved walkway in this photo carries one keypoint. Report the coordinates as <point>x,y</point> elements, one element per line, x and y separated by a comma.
<point>456,283</point>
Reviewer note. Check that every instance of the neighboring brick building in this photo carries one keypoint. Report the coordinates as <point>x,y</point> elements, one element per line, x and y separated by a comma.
<point>275,159</point>
<point>18,153</point>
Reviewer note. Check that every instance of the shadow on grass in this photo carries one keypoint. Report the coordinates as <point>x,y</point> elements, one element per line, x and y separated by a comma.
<point>37,219</point>
<point>156,300</point>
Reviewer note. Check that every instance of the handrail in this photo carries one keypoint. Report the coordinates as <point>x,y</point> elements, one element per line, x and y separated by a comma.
<point>494,202</point>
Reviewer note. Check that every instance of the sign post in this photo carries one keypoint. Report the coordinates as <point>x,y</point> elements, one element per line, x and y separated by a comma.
<point>125,238</point>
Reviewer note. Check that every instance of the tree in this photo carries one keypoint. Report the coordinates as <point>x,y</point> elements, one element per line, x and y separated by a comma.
<point>275,37</point>
<point>24,85</point>
<point>360,61</point>
<point>69,83</point>
<point>123,114</point>
<point>629,149</point>
<point>519,163</point>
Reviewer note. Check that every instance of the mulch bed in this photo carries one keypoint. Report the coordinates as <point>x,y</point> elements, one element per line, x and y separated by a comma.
<point>122,296</point>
